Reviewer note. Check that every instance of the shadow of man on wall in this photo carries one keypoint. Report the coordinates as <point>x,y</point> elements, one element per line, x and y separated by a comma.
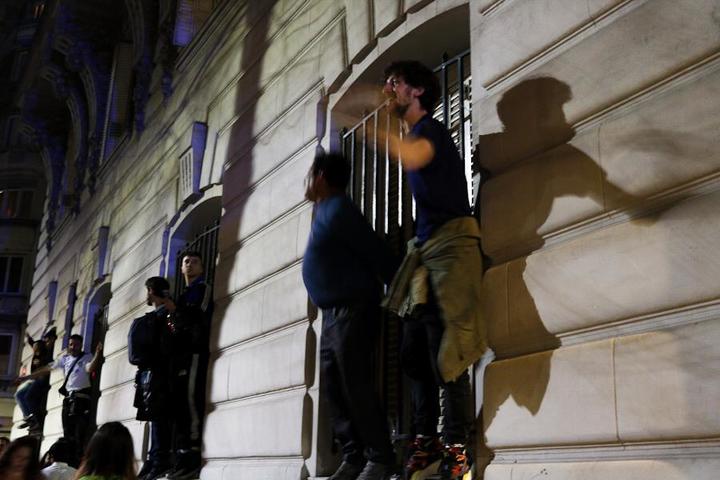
<point>531,166</point>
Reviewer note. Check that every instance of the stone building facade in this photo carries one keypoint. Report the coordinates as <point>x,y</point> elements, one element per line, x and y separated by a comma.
<point>594,123</point>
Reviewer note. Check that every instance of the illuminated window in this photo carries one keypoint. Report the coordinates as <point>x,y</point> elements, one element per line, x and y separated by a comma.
<point>10,274</point>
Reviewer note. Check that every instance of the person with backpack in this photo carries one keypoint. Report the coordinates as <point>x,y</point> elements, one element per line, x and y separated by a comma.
<point>149,348</point>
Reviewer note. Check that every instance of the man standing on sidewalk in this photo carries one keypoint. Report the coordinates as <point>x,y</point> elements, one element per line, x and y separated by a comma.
<point>343,266</point>
<point>437,288</point>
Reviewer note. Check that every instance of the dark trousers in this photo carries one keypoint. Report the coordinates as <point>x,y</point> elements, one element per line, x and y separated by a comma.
<point>347,345</point>
<point>160,432</point>
<point>422,334</point>
<point>189,395</point>
<point>31,396</point>
<point>76,419</point>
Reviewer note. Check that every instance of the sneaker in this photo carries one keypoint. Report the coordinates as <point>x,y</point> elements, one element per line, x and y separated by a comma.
<point>424,456</point>
<point>374,471</point>
<point>455,464</point>
<point>347,471</point>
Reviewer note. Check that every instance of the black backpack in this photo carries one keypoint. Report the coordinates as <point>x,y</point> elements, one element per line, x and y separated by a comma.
<point>140,341</point>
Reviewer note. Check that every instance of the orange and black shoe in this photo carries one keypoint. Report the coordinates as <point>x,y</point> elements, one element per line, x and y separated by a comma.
<point>424,457</point>
<point>455,464</point>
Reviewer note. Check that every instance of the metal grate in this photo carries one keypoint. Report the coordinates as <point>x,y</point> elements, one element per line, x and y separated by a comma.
<point>206,244</point>
<point>380,189</point>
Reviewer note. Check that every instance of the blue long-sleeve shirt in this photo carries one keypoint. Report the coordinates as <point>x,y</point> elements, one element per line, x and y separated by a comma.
<point>345,259</point>
<point>439,188</point>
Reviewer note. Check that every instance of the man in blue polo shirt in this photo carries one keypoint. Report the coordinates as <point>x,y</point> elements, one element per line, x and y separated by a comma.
<point>344,265</point>
<point>437,289</point>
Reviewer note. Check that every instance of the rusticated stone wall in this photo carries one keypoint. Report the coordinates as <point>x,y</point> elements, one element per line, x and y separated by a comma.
<point>599,122</point>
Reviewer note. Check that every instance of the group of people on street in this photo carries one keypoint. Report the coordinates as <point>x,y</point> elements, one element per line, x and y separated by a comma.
<point>170,347</point>
<point>435,289</point>
<point>108,456</point>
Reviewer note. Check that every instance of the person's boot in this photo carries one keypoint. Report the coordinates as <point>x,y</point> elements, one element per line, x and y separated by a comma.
<point>146,468</point>
<point>188,466</point>
<point>374,471</point>
<point>424,457</point>
<point>157,471</point>
<point>455,463</point>
<point>346,471</point>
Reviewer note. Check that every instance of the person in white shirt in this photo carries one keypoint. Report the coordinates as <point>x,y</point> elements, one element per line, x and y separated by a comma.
<point>77,367</point>
<point>60,453</point>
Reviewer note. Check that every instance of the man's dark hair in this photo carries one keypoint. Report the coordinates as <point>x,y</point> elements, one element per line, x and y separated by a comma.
<point>334,167</point>
<point>63,450</point>
<point>417,75</point>
<point>192,253</point>
<point>158,286</point>
<point>76,336</point>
